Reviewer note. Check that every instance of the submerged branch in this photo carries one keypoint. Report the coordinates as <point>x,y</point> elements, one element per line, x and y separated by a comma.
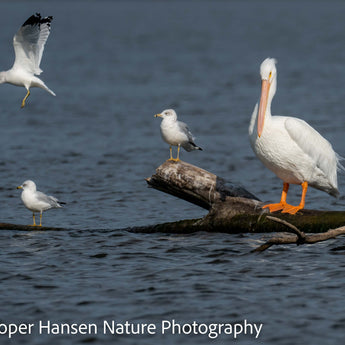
<point>307,239</point>
<point>291,228</point>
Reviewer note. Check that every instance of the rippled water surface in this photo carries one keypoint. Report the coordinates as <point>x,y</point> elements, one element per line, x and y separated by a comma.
<point>113,65</point>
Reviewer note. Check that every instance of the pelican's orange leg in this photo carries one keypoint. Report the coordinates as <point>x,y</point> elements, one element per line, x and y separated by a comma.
<point>294,209</point>
<point>281,205</point>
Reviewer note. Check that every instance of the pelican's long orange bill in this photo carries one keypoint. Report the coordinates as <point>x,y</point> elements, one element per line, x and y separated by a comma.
<point>265,87</point>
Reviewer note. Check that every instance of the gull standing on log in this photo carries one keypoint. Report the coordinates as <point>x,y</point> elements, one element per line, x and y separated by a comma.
<point>28,45</point>
<point>36,201</point>
<point>291,148</point>
<point>176,133</point>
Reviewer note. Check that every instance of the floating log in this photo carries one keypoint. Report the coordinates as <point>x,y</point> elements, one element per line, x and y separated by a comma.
<point>232,209</point>
<point>9,226</point>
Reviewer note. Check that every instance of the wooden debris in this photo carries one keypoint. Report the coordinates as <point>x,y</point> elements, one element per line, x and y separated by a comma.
<point>300,238</point>
<point>195,185</point>
<point>232,209</point>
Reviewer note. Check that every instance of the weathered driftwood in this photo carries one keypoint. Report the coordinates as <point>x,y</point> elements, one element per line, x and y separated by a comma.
<point>300,238</point>
<point>232,209</point>
<point>195,185</point>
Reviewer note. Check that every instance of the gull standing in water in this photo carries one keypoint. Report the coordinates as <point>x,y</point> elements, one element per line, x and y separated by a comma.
<point>36,201</point>
<point>176,133</point>
<point>28,45</point>
<point>291,148</point>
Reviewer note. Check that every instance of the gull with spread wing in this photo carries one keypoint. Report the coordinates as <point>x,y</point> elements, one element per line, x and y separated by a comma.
<point>28,45</point>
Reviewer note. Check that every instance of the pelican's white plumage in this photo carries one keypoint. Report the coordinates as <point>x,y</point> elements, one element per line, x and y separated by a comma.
<point>28,45</point>
<point>176,133</point>
<point>36,201</point>
<point>291,148</point>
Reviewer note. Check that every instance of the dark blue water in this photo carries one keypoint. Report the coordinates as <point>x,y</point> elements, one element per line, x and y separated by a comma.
<point>113,65</point>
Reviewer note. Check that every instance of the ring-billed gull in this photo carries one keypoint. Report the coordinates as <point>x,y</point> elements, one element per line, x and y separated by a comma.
<point>36,201</point>
<point>176,133</point>
<point>28,45</point>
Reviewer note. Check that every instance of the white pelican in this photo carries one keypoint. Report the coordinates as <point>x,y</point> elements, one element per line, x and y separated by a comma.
<point>289,147</point>
<point>176,133</point>
<point>36,201</point>
<point>28,45</point>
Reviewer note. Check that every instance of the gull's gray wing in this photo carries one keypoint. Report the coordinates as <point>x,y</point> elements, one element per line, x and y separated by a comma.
<point>29,43</point>
<point>189,145</point>
<point>183,126</point>
<point>52,201</point>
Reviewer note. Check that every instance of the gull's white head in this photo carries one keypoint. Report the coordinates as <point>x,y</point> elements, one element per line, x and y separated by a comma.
<point>268,74</point>
<point>28,185</point>
<point>168,114</point>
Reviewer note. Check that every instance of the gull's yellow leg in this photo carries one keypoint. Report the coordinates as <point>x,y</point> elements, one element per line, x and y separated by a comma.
<point>33,217</point>
<point>171,157</point>
<point>25,98</point>
<point>178,153</point>
<point>41,219</point>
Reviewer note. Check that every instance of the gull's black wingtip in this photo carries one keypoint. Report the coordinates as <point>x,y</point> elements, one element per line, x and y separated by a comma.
<point>36,19</point>
<point>46,20</point>
<point>195,146</point>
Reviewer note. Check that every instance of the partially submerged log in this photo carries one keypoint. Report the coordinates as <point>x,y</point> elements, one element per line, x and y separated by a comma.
<point>232,209</point>
<point>9,226</point>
